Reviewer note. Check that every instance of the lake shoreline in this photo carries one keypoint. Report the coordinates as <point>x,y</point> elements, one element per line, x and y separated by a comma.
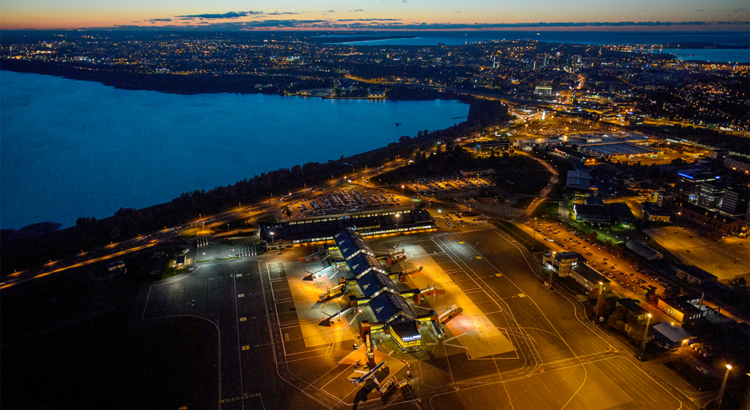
<point>192,84</point>
<point>204,135</point>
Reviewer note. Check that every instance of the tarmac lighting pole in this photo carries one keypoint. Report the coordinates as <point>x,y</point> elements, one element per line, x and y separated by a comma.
<point>645,333</point>
<point>723,386</point>
<point>599,301</point>
<point>272,243</point>
<point>398,217</point>
<point>551,270</point>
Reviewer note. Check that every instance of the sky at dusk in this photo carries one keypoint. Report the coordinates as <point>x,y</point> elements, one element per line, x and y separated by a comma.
<point>378,14</point>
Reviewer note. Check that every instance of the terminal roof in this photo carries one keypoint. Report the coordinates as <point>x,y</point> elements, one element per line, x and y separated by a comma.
<point>387,304</point>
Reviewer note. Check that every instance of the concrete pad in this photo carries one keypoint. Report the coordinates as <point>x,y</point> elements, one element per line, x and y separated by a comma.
<point>310,312</point>
<point>726,258</point>
<point>315,335</point>
<point>474,331</point>
<point>478,336</point>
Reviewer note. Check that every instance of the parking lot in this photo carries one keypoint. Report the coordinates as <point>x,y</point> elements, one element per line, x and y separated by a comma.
<point>345,200</point>
<point>628,279</point>
<point>454,220</point>
<point>726,258</point>
<point>428,186</point>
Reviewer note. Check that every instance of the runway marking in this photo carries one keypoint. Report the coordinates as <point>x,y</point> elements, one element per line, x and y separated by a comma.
<point>245,347</point>
<point>244,396</point>
<point>499,275</point>
<point>479,257</point>
<point>239,275</point>
<point>521,295</point>
<point>322,375</point>
<point>466,269</point>
<point>305,358</point>
<point>243,319</point>
<point>535,271</point>
<point>306,350</point>
<point>336,377</point>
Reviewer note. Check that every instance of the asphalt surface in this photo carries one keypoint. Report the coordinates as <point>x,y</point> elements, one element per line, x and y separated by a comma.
<point>561,359</point>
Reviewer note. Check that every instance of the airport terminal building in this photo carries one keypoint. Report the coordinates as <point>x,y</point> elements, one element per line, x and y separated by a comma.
<point>321,229</point>
<point>375,289</point>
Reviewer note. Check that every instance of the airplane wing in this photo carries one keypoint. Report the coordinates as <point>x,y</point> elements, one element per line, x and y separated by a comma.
<point>360,371</point>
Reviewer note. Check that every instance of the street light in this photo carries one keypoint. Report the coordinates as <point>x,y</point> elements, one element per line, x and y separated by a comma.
<point>723,386</point>
<point>645,333</point>
<point>272,243</point>
<point>599,302</point>
<point>551,268</point>
<point>398,217</point>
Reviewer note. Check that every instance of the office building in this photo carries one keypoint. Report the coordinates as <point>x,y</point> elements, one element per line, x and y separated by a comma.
<point>710,195</point>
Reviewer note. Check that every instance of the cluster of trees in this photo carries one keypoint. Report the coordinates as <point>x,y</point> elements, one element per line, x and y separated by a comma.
<point>518,174</point>
<point>618,318</point>
<point>21,251</point>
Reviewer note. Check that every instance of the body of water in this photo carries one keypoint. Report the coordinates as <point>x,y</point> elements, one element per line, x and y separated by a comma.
<point>421,38</point>
<point>714,55</point>
<point>579,37</point>
<point>71,148</point>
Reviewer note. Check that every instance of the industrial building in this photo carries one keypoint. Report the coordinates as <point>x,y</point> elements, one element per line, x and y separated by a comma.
<point>693,274</point>
<point>592,213</point>
<point>643,250</point>
<point>633,306</point>
<point>577,180</point>
<point>725,225</point>
<point>488,148</point>
<point>672,334</point>
<point>589,278</point>
<point>621,213</point>
<point>563,262</point>
<point>683,309</point>
<point>654,213</point>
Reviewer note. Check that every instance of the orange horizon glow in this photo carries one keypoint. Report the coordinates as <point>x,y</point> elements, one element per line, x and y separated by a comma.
<point>328,15</point>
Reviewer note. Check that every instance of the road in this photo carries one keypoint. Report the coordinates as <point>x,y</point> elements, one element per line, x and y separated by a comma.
<point>543,193</point>
<point>117,250</point>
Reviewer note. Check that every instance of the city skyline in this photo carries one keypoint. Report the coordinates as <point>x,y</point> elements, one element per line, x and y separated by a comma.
<point>383,15</point>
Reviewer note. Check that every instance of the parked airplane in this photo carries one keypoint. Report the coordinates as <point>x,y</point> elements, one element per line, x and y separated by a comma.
<point>367,375</point>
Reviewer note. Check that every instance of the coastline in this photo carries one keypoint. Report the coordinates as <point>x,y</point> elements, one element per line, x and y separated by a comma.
<point>90,233</point>
<point>193,84</point>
